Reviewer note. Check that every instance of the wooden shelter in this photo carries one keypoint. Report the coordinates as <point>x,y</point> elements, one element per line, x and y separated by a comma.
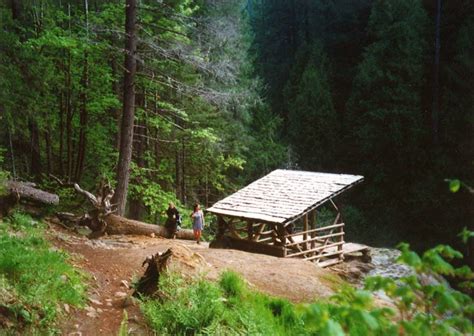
<point>277,215</point>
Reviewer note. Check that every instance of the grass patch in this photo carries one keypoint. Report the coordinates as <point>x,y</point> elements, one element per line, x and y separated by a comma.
<point>35,278</point>
<point>227,307</point>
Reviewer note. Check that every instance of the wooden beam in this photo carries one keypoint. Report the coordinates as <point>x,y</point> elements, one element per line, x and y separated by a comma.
<point>232,230</point>
<point>221,227</point>
<point>328,262</point>
<point>255,247</point>
<point>263,240</point>
<point>280,229</point>
<point>324,255</point>
<point>315,239</point>
<point>313,226</point>
<point>260,229</point>
<point>305,232</point>
<point>317,230</point>
<point>249,230</point>
<point>341,239</point>
<point>316,249</point>
<point>282,236</point>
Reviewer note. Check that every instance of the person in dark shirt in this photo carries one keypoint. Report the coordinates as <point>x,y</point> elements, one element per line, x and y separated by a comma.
<point>172,220</point>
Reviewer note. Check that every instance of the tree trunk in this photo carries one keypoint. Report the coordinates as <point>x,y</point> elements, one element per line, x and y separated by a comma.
<point>81,148</point>
<point>178,172</point>
<point>136,207</point>
<point>121,225</point>
<point>126,138</point>
<point>49,151</point>
<point>183,173</point>
<point>69,116</point>
<point>35,167</point>
<point>116,91</point>
<point>156,148</point>
<point>16,9</point>
<point>102,220</point>
<point>435,106</point>
<point>27,194</point>
<point>176,258</point>
<point>28,191</point>
<point>61,134</point>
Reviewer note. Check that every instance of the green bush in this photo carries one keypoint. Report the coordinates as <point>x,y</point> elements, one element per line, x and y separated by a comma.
<point>3,174</point>
<point>232,285</point>
<point>37,276</point>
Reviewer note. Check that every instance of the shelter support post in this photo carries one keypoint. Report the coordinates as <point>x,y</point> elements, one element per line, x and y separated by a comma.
<point>312,223</point>
<point>221,227</point>
<point>249,230</point>
<point>305,230</point>
<point>340,248</point>
<point>281,231</point>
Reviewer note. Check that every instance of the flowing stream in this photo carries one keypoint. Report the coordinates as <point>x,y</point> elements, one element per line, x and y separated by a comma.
<point>385,262</point>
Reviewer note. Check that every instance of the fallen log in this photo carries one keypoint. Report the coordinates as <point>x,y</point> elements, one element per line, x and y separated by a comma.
<point>102,220</point>
<point>121,225</point>
<point>26,193</point>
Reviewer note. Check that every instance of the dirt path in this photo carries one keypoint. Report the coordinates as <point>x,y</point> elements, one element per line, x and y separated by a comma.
<point>114,262</point>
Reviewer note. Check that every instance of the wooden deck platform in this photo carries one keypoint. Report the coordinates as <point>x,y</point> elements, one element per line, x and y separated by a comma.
<point>327,255</point>
<point>354,247</point>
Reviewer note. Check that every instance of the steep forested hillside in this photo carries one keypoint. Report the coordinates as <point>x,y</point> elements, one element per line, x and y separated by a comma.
<point>379,88</point>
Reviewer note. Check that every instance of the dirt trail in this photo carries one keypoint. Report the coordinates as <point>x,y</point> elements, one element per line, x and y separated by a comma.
<point>115,261</point>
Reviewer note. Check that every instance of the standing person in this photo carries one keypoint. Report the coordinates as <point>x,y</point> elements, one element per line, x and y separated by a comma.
<point>198,222</point>
<point>172,220</point>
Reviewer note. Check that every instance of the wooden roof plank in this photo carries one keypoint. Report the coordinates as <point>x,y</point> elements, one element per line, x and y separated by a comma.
<point>284,195</point>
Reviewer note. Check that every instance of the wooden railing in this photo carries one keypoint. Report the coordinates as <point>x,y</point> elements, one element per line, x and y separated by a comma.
<point>324,245</point>
<point>316,244</point>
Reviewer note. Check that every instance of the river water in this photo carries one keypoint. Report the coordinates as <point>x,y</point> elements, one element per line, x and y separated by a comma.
<point>385,262</point>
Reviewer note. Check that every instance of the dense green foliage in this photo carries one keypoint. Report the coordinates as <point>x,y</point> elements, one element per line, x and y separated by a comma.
<point>229,307</point>
<point>384,110</point>
<point>3,174</point>
<point>199,116</point>
<point>34,278</point>
<point>354,83</point>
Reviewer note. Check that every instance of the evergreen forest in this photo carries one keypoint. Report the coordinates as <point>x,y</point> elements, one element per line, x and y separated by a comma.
<point>189,100</point>
<point>117,116</point>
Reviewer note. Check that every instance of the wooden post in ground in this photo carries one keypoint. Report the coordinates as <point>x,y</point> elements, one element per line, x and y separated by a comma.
<point>312,222</point>
<point>249,230</point>
<point>282,236</point>
<point>221,227</point>
<point>305,232</point>
<point>340,248</point>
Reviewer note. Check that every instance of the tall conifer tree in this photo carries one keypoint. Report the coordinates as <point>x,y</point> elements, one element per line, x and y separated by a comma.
<point>312,118</point>
<point>385,112</point>
<point>126,138</point>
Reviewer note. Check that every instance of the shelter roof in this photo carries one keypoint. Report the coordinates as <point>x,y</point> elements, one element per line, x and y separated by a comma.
<point>284,195</point>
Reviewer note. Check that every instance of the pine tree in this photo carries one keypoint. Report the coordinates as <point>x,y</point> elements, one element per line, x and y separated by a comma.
<point>126,138</point>
<point>312,118</point>
<point>385,112</point>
